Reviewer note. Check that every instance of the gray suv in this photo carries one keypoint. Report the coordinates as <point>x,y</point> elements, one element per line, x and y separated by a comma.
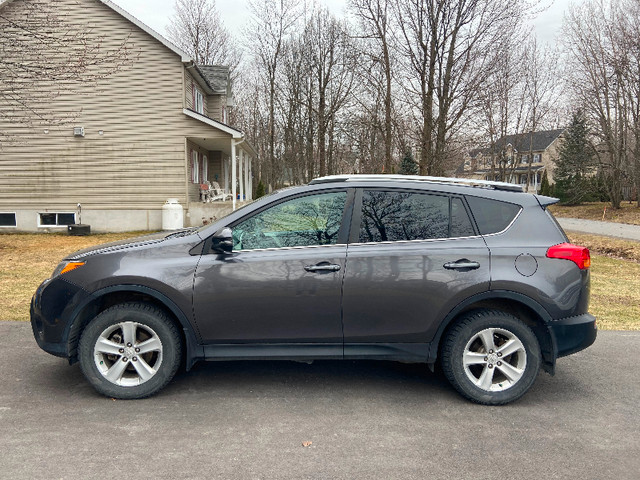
<point>476,275</point>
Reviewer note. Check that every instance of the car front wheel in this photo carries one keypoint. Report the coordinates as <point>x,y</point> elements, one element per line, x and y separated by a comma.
<point>130,351</point>
<point>491,357</point>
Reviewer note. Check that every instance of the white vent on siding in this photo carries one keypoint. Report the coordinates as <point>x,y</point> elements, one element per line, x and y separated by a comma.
<point>78,131</point>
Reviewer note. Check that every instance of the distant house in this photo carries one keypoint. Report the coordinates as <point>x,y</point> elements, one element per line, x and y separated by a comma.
<point>153,130</point>
<point>513,157</point>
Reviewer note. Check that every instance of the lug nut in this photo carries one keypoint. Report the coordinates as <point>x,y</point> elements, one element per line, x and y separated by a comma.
<point>499,363</point>
<point>129,344</point>
<point>499,354</point>
<point>486,358</point>
<point>121,350</point>
<point>490,351</point>
<point>490,365</point>
<point>125,359</point>
<point>137,350</point>
<point>135,359</point>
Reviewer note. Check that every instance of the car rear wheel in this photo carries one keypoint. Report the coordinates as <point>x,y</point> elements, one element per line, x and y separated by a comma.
<point>491,357</point>
<point>130,351</point>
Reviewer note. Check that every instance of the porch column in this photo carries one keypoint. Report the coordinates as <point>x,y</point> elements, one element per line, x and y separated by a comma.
<point>234,172</point>
<point>225,167</point>
<point>241,174</point>
<point>247,179</point>
<point>251,177</point>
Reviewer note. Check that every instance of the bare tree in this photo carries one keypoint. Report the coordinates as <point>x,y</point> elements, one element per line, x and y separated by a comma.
<point>196,28</point>
<point>451,46</point>
<point>376,17</point>
<point>501,102</point>
<point>541,92</point>
<point>272,22</point>
<point>598,62</point>
<point>332,59</point>
<point>52,56</point>
<point>629,38</point>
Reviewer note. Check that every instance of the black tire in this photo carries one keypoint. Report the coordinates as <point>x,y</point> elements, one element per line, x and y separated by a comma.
<point>488,375</point>
<point>156,344</point>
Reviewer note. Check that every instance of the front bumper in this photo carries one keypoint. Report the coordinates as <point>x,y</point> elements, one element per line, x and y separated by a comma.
<point>573,334</point>
<point>50,315</point>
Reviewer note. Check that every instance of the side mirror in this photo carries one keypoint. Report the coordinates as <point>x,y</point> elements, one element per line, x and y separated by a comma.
<point>222,242</point>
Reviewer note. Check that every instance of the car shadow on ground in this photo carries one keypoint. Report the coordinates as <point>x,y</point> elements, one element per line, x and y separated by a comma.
<point>287,379</point>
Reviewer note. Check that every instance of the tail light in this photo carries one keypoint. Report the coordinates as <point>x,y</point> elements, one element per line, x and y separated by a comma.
<point>578,255</point>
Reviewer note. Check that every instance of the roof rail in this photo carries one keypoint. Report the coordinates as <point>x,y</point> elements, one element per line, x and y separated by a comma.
<point>509,187</point>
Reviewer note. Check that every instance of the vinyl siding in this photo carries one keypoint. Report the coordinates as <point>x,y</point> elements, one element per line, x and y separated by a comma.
<point>138,162</point>
<point>215,107</point>
<point>190,84</point>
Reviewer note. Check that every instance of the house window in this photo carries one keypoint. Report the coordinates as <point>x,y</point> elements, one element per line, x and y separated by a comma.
<point>536,158</point>
<point>525,158</point>
<point>523,179</point>
<point>7,220</point>
<point>195,167</point>
<point>205,169</point>
<point>198,100</point>
<point>57,219</point>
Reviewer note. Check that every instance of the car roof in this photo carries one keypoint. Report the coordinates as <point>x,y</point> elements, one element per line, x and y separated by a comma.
<point>503,186</point>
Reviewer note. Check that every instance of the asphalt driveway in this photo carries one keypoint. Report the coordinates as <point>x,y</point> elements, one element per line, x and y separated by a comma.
<point>595,227</point>
<point>365,420</point>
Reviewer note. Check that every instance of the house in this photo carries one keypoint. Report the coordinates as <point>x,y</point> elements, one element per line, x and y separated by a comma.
<point>154,127</point>
<point>513,157</point>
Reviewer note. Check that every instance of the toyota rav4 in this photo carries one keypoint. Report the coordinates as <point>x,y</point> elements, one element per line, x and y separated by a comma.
<point>475,275</point>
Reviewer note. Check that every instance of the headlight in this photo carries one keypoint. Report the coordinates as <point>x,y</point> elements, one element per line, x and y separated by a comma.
<point>65,267</point>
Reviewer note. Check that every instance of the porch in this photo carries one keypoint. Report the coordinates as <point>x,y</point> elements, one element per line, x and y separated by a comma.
<point>220,157</point>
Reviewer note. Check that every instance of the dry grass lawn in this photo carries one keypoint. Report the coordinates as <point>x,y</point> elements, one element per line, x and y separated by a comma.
<point>615,293</point>
<point>607,246</point>
<point>27,259</point>
<point>628,213</point>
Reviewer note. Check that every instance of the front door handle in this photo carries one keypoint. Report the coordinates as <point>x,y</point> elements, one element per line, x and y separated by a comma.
<point>462,264</point>
<point>322,267</point>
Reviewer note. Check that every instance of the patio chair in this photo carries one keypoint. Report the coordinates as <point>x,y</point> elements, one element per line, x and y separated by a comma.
<point>218,195</point>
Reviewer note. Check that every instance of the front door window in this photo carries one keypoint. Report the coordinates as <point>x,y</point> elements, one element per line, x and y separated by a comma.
<point>303,221</point>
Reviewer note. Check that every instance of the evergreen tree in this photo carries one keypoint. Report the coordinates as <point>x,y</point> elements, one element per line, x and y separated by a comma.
<point>408,166</point>
<point>575,163</point>
<point>545,188</point>
<point>260,190</point>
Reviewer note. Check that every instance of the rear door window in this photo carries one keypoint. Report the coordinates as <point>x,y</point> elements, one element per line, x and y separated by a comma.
<point>396,216</point>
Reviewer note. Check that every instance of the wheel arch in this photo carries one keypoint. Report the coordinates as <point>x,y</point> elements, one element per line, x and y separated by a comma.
<point>524,308</point>
<point>117,294</point>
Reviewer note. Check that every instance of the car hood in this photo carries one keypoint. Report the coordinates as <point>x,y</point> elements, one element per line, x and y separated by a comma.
<point>130,243</point>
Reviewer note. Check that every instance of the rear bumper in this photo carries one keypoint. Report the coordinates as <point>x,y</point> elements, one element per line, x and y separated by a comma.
<point>573,334</point>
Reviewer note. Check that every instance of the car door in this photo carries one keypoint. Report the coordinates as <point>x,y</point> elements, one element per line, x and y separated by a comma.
<point>412,257</point>
<point>282,283</point>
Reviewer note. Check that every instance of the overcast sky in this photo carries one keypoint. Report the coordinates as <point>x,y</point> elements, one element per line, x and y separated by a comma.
<point>156,14</point>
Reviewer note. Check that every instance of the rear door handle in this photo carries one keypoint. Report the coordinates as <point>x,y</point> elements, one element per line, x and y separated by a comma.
<point>462,264</point>
<point>322,267</point>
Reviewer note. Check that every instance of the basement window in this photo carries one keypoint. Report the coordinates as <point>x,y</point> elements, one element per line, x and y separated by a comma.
<point>57,219</point>
<point>7,220</point>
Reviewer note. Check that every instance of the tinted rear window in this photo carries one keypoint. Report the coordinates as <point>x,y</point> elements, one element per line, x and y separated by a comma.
<point>396,216</point>
<point>492,216</point>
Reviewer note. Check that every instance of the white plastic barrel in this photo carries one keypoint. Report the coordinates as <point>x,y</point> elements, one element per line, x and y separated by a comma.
<point>172,215</point>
